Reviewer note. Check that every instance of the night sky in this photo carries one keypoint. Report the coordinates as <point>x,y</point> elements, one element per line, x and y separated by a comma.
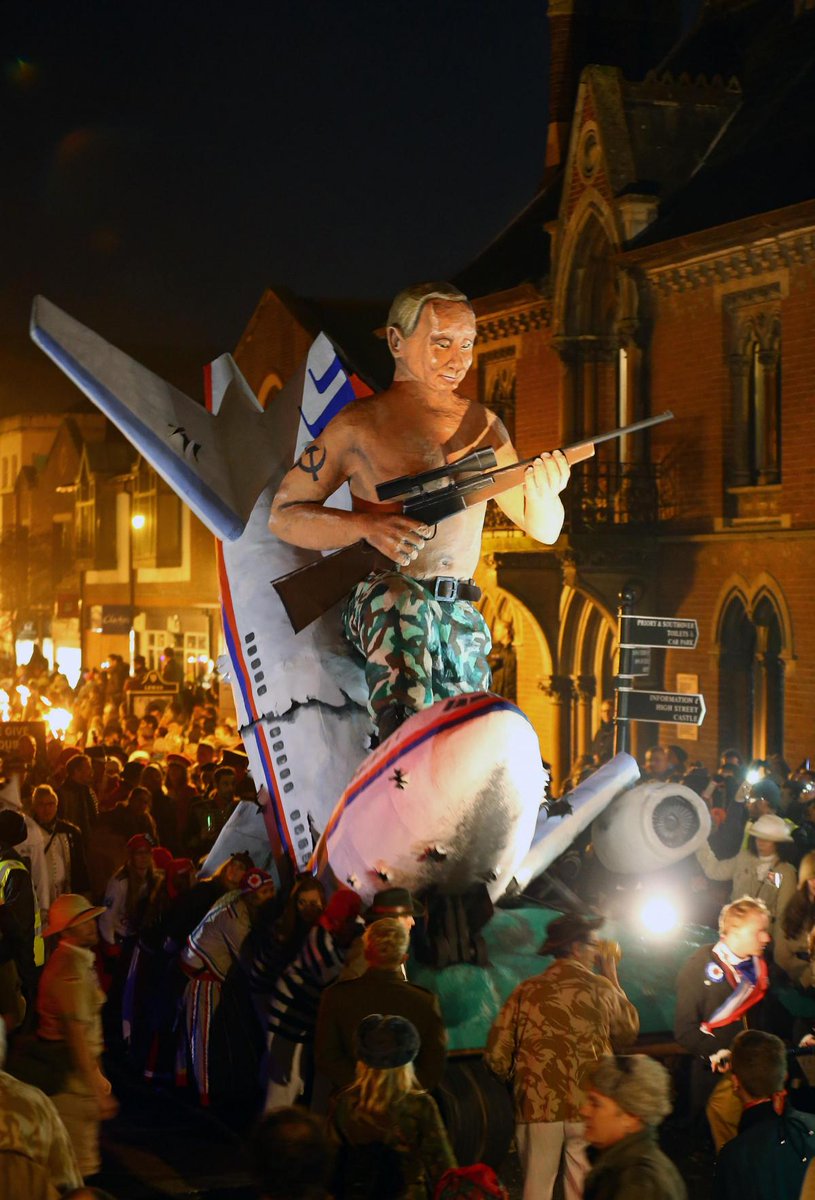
<point>165,162</point>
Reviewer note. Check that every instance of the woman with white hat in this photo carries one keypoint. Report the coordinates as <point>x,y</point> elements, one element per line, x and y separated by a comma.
<point>69,1004</point>
<point>757,870</point>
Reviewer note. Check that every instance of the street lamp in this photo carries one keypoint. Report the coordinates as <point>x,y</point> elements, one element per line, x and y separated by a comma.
<point>137,522</point>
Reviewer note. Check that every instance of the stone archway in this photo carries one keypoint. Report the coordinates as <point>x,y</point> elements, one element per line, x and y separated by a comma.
<point>586,651</point>
<point>753,636</point>
<point>521,659</point>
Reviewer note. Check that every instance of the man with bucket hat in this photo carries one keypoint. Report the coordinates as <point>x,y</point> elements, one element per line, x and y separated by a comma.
<point>395,902</point>
<point>550,1031</point>
<point>69,1005</point>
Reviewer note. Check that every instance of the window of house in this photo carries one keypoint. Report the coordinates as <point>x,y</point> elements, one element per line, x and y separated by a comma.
<point>496,370</point>
<point>157,542</point>
<point>755,377</point>
<point>85,514</point>
<point>751,678</point>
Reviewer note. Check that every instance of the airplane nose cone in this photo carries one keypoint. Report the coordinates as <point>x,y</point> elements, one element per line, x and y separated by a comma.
<point>448,800</point>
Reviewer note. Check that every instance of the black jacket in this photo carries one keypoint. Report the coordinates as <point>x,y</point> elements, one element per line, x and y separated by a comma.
<point>80,881</point>
<point>345,1004</point>
<point>17,923</point>
<point>77,804</point>
<point>768,1159</point>
<point>698,994</point>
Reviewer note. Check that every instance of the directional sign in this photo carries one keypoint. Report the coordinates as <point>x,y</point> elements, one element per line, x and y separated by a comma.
<point>670,708</point>
<point>672,633</point>
<point>639,661</point>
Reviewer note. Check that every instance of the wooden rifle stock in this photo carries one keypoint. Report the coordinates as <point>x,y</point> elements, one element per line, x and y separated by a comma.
<point>310,591</point>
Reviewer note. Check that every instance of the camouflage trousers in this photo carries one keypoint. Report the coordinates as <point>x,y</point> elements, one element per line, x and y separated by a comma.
<point>417,649</point>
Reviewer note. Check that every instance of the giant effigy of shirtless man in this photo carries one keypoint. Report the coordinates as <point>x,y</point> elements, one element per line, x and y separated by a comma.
<point>416,625</point>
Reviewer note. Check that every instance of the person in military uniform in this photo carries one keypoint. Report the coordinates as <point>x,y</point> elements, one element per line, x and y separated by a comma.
<point>382,989</point>
<point>545,1039</point>
<point>718,993</point>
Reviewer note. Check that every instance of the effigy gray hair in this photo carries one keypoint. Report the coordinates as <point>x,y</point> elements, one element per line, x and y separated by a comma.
<point>407,306</point>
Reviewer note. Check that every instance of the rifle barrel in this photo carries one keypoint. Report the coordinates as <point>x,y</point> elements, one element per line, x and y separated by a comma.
<point>412,485</point>
<point>624,431</point>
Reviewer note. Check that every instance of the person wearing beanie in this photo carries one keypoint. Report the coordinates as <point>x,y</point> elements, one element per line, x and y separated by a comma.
<point>19,923</point>
<point>383,988</point>
<point>391,1137</point>
<point>774,1145</point>
<point>757,870</point>
<point>294,998</point>
<point>544,1039</point>
<point>627,1098</point>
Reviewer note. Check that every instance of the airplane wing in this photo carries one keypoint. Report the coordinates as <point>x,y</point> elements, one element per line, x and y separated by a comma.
<point>218,461</point>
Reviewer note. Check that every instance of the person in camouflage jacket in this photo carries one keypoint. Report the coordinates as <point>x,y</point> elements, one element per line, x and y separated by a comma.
<point>544,1041</point>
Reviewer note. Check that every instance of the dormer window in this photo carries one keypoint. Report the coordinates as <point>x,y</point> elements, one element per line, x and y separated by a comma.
<point>156,520</point>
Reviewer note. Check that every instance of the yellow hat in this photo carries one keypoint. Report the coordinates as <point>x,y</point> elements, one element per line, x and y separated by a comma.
<point>68,910</point>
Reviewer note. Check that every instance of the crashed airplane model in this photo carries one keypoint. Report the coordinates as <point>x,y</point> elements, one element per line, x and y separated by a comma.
<point>452,798</point>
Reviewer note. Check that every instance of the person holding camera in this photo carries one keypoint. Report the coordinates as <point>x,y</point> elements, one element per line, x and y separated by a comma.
<point>544,1041</point>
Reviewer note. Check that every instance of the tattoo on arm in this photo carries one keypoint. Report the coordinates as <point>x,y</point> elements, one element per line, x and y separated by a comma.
<point>311,462</point>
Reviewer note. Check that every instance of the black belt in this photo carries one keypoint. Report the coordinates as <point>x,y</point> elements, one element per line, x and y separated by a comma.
<point>446,587</point>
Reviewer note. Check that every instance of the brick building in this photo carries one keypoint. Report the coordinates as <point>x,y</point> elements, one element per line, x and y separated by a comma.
<point>76,577</point>
<point>668,261</point>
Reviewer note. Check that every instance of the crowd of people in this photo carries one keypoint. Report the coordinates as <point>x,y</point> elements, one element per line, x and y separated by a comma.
<point>253,991</point>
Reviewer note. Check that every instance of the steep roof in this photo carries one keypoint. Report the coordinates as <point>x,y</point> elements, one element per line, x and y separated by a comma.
<point>114,456</point>
<point>352,325</point>
<point>763,160</point>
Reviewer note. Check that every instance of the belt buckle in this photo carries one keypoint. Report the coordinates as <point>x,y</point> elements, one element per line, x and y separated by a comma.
<point>445,588</point>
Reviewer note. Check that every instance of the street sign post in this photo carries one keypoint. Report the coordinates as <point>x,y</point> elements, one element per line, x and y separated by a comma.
<point>668,708</point>
<point>669,633</point>
<point>640,661</point>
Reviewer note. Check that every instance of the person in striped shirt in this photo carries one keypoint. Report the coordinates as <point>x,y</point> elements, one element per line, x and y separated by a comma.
<point>294,997</point>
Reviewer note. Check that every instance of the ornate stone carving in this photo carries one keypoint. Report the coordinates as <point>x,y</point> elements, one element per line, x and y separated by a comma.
<point>496,327</point>
<point>740,262</point>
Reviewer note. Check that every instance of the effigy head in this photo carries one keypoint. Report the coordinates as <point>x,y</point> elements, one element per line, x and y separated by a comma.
<point>407,306</point>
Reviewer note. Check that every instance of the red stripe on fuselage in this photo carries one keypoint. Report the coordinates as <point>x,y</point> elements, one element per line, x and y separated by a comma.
<point>454,716</point>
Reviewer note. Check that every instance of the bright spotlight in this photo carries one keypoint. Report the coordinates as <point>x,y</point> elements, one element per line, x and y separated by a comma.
<point>138,520</point>
<point>753,775</point>
<point>659,915</point>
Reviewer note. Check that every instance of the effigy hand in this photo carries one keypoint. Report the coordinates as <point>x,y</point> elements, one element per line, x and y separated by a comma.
<point>547,476</point>
<point>398,538</point>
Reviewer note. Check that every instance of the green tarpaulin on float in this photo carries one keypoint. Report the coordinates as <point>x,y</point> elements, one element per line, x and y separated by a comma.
<point>471,996</point>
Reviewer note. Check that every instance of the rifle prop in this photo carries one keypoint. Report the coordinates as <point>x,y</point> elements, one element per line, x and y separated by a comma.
<point>310,591</point>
